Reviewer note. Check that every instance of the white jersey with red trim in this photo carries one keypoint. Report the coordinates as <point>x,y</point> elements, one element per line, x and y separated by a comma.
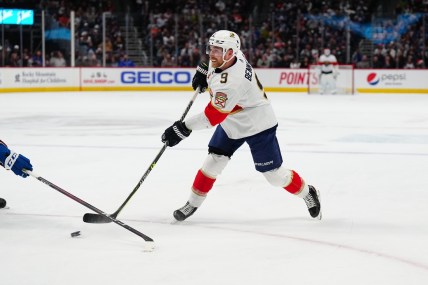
<point>238,102</point>
<point>328,63</point>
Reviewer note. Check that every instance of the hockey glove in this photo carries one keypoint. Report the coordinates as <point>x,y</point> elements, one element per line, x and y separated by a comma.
<point>335,74</point>
<point>200,77</point>
<point>175,134</point>
<point>14,161</point>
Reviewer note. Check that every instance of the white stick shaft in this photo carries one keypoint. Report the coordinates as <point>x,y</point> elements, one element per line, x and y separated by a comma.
<point>31,173</point>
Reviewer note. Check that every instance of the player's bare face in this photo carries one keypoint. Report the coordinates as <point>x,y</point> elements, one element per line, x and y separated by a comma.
<point>216,56</point>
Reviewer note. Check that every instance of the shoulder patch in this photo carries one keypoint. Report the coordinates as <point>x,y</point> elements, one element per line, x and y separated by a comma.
<point>220,100</point>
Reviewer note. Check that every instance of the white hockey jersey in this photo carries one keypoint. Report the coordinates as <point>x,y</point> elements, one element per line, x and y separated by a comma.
<point>238,102</point>
<point>328,63</point>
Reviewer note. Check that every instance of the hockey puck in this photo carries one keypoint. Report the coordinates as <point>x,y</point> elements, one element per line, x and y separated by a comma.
<point>75,234</point>
<point>2,203</point>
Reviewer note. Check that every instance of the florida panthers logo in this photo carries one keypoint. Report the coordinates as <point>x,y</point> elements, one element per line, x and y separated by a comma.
<point>220,100</point>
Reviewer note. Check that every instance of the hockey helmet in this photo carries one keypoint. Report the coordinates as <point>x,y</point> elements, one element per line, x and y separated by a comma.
<point>226,40</point>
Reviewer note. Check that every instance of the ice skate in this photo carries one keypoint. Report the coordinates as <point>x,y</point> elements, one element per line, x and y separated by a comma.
<point>313,203</point>
<point>184,212</point>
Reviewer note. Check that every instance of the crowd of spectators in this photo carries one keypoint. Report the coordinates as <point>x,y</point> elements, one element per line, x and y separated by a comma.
<point>88,32</point>
<point>275,34</point>
<point>283,35</point>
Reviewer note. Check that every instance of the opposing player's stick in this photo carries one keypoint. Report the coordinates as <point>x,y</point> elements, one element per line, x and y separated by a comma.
<point>86,204</point>
<point>96,218</point>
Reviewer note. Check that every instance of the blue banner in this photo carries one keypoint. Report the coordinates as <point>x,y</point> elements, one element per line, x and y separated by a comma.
<point>58,34</point>
<point>380,32</point>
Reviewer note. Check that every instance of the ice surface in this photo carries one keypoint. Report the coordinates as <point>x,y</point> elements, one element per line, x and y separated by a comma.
<point>367,154</point>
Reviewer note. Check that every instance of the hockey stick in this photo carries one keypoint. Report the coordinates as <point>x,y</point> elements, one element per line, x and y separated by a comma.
<point>97,219</point>
<point>86,204</point>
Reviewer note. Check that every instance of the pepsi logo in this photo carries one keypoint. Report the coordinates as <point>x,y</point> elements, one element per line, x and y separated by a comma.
<point>373,78</point>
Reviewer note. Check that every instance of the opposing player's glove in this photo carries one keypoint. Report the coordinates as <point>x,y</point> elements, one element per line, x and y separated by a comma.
<point>14,161</point>
<point>200,77</point>
<point>175,134</point>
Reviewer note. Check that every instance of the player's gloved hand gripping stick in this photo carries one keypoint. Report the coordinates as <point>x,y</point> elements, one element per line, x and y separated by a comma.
<point>178,131</point>
<point>97,218</point>
<point>200,78</point>
<point>14,161</point>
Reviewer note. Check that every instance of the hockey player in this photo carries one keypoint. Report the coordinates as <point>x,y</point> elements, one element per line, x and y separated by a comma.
<point>242,113</point>
<point>13,161</point>
<point>328,72</point>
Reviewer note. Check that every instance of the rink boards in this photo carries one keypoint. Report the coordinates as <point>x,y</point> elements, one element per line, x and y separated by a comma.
<point>179,79</point>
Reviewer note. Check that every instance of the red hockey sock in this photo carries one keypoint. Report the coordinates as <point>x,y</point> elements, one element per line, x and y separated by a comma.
<point>202,184</point>
<point>296,185</point>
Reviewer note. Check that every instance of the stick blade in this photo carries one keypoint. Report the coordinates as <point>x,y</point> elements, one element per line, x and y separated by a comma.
<point>149,246</point>
<point>95,219</point>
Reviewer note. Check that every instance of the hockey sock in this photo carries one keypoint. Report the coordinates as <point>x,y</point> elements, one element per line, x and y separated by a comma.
<point>296,185</point>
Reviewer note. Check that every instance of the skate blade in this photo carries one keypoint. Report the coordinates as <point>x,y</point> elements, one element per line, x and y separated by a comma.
<point>174,222</point>
<point>319,217</point>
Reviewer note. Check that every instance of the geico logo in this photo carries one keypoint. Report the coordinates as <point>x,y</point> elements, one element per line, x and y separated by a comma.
<point>393,77</point>
<point>152,77</point>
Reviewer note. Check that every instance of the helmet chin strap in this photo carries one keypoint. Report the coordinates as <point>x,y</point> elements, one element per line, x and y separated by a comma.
<point>224,60</point>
